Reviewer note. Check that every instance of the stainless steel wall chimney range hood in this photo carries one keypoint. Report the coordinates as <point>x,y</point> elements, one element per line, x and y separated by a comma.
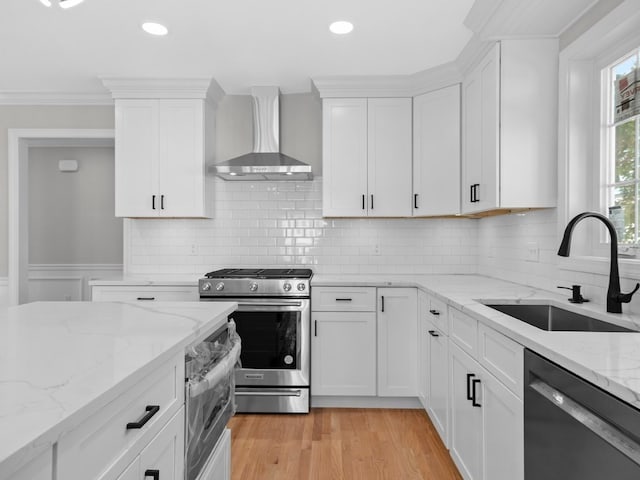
<point>266,162</point>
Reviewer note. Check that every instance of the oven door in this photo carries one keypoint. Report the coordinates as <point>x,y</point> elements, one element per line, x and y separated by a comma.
<point>275,335</point>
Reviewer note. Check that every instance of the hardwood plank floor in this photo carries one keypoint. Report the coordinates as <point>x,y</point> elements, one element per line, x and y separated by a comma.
<point>339,444</point>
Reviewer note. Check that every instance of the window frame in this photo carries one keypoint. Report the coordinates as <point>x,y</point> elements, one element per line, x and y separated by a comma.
<point>580,137</point>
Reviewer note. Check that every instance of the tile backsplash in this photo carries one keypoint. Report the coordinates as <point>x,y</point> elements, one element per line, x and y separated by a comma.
<point>280,224</point>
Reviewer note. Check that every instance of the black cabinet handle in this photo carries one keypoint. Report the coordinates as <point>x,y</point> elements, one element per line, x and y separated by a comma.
<point>372,201</point>
<point>469,377</point>
<point>434,312</point>
<point>415,201</point>
<point>153,202</point>
<point>382,301</point>
<point>343,299</point>
<point>155,474</point>
<point>433,333</point>
<point>151,411</point>
<point>363,207</point>
<point>474,193</point>
<point>473,392</point>
<point>471,193</point>
<point>161,202</point>
<point>315,328</point>
<point>146,298</point>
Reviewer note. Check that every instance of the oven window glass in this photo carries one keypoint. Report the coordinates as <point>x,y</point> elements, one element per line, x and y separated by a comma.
<point>269,339</point>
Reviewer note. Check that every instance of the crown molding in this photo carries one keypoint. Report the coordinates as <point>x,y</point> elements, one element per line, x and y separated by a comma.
<point>187,88</point>
<point>54,99</point>
<point>360,86</point>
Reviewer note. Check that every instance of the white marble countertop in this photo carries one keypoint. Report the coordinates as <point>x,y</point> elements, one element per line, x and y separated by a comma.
<point>60,361</point>
<point>607,359</point>
<point>133,281</point>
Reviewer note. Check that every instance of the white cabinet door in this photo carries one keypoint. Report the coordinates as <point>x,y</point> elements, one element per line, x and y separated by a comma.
<point>219,466</point>
<point>132,472</point>
<point>481,135</point>
<point>181,158</point>
<point>466,419</point>
<point>397,342</point>
<point>436,152</point>
<point>389,157</point>
<point>343,353</point>
<point>165,453</point>
<point>344,157</point>
<point>423,348</point>
<point>503,431</point>
<point>438,381</point>
<point>136,154</point>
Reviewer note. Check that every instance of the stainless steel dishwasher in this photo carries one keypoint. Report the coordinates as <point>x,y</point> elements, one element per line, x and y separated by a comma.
<point>575,430</point>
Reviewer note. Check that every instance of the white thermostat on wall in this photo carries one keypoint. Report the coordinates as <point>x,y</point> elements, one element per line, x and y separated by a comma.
<point>68,165</point>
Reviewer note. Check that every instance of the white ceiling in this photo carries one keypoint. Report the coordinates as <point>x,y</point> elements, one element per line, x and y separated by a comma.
<point>240,43</point>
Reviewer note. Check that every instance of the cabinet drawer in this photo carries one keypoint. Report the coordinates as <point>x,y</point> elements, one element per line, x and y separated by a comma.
<point>503,357</point>
<point>438,314</point>
<point>343,299</point>
<point>131,294</point>
<point>93,446</point>
<point>464,331</point>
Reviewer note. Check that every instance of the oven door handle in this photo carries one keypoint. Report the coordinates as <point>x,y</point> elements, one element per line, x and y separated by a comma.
<point>270,304</point>
<point>269,393</point>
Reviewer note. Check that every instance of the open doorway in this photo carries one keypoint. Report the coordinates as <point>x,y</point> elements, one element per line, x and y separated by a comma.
<point>66,222</point>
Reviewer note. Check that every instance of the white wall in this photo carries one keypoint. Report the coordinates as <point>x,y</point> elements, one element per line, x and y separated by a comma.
<point>39,117</point>
<point>281,224</point>
<point>71,214</point>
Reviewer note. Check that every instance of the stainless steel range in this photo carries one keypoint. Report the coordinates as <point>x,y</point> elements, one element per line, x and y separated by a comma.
<point>274,323</point>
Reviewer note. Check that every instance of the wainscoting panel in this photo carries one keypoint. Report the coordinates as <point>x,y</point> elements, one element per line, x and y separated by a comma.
<point>66,282</point>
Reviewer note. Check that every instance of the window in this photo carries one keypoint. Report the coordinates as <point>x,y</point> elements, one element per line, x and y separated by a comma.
<point>622,140</point>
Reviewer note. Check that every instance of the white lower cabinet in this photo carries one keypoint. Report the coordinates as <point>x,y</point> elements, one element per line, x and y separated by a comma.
<point>39,468</point>
<point>219,466</point>
<point>487,422</point>
<point>343,353</point>
<point>397,342</point>
<point>163,457</point>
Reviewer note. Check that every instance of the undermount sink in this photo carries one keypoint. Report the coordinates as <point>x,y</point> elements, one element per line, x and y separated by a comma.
<point>551,318</point>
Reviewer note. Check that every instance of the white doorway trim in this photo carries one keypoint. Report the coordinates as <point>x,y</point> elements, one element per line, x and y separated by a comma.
<point>18,173</point>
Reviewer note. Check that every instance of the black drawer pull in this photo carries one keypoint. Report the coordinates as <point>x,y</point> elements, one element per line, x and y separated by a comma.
<point>382,298</point>
<point>469,377</point>
<point>153,202</point>
<point>363,207</point>
<point>433,333</point>
<point>415,200</point>
<point>151,411</point>
<point>161,202</point>
<point>155,474</point>
<point>146,298</point>
<point>315,328</point>
<point>344,299</point>
<point>371,201</point>
<point>473,392</point>
<point>434,312</point>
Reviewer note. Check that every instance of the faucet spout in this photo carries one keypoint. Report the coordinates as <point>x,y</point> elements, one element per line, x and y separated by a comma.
<point>615,298</point>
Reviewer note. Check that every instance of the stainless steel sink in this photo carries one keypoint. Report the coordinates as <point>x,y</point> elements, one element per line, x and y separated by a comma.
<point>551,318</point>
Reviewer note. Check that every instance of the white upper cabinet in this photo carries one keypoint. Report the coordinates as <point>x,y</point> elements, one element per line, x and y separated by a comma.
<point>510,127</point>
<point>163,146</point>
<point>436,152</point>
<point>366,157</point>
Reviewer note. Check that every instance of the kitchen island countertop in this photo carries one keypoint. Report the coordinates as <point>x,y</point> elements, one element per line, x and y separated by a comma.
<point>62,361</point>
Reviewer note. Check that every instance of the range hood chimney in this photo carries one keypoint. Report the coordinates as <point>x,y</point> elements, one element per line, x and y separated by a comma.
<point>266,162</point>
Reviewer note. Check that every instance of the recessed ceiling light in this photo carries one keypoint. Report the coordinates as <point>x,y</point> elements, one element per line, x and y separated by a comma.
<point>46,3</point>
<point>154,28</point>
<point>69,3</point>
<point>341,27</point>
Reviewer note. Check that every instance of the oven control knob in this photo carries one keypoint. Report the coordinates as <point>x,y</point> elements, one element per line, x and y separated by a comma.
<point>301,287</point>
<point>286,287</point>
<point>206,287</point>
<point>220,286</point>
<point>253,286</point>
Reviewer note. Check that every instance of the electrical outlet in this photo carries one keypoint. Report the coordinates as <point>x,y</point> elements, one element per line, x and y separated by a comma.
<point>376,249</point>
<point>194,249</point>
<point>533,252</point>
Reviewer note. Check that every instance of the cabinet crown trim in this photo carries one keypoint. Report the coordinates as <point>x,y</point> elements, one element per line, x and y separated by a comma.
<point>203,88</point>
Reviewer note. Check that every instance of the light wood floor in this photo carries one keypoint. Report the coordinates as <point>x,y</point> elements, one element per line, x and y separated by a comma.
<point>339,444</point>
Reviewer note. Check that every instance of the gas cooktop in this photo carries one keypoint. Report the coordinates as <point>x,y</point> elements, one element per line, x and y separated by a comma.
<point>260,273</point>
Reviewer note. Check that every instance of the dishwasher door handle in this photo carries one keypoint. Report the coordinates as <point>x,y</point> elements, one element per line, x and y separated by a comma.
<point>269,393</point>
<point>605,430</point>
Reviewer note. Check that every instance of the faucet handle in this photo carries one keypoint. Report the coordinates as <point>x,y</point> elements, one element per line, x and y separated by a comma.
<point>626,297</point>
<point>576,296</point>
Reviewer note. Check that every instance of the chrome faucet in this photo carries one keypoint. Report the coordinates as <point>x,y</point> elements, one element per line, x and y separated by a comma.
<point>615,298</point>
